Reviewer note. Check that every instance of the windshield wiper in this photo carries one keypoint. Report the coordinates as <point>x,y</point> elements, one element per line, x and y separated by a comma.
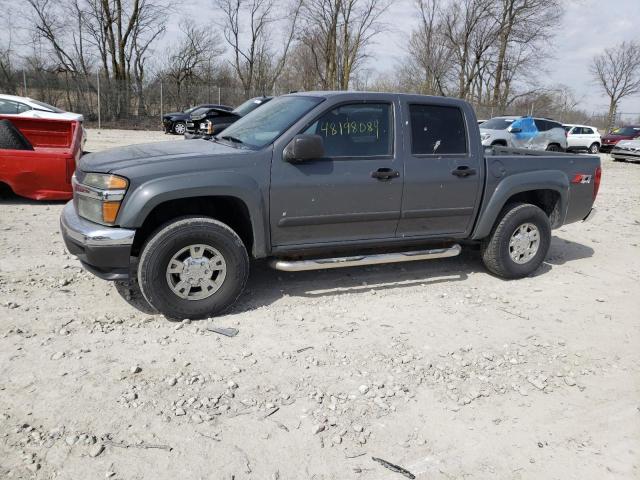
<point>231,139</point>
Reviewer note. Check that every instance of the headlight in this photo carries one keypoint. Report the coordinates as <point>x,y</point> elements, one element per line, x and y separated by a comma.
<point>99,197</point>
<point>485,136</point>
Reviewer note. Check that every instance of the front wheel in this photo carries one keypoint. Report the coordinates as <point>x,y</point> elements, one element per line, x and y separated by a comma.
<point>519,241</point>
<point>193,267</point>
<point>594,149</point>
<point>179,128</point>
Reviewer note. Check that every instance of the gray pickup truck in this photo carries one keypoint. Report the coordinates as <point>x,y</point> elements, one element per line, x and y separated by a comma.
<point>313,181</point>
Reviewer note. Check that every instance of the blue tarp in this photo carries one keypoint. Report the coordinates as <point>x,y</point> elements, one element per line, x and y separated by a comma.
<point>528,127</point>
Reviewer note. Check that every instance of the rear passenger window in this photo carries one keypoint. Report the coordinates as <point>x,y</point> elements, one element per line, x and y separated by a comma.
<point>542,125</point>
<point>356,130</point>
<point>437,130</point>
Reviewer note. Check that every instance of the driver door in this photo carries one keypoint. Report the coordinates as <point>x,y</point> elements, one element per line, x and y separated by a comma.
<point>354,193</point>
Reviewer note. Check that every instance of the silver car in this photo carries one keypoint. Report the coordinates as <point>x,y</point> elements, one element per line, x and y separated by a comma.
<point>524,132</point>
<point>626,150</point>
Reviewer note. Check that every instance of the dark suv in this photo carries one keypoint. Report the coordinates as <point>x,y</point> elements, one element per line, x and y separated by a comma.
<point>176,122</point>
<point>208,123</point>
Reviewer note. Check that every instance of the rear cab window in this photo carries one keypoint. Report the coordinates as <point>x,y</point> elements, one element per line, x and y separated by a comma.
<point>356,130</point>
<point>437,130</point>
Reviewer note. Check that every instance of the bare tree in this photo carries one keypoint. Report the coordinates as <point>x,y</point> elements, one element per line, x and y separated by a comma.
<point>470,30</point>
<point>431,55</point>
<point>7,68</point>
<point>255,60</point>
<point>190,57</point>
<point>527,23</point>
<point>337,34</point>
<point>617,71</point>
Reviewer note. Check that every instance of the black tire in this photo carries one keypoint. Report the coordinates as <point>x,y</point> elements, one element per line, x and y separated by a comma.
<point>177,235</point>
<point>179,128</point>
<point>495,248</point>
<point>554,147</point>
<point>11,138</point>
<point>499,143</point>
<point>594,149</point>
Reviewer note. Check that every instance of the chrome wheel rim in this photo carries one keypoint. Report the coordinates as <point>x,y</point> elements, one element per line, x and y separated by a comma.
<point>180,128</point>
<point>594,149</point>
<point>524,243</point>
<point>196,272</point>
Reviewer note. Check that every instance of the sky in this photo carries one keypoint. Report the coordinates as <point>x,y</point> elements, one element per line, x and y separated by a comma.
<point>586,29</point>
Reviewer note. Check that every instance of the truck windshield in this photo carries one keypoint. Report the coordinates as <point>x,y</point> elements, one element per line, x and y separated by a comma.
<point>265,124</point>
<point>497,124</point>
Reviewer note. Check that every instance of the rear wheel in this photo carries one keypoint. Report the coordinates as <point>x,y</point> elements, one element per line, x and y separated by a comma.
<point>594,148</point>
<point>193,267</point>
<point>519,241</point>
<point>554,147</point>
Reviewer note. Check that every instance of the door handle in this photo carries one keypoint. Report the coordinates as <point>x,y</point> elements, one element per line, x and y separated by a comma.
<point>463,171</point>
<point>385,173</point>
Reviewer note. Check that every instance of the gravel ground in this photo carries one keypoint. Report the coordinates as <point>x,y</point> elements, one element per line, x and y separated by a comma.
<point>435,366</point>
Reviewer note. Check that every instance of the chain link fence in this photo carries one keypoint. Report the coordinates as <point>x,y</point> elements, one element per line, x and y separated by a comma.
<point>106,103</point>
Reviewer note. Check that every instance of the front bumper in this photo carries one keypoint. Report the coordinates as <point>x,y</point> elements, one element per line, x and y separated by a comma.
<point>103,251</point>
<point>625,155</point>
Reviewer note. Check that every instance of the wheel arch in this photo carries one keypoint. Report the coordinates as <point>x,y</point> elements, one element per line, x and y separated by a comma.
<point>232,199</point>
<point>547,190</point>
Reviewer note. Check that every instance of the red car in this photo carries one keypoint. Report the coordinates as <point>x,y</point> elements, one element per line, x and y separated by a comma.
<point>38,156</point>
<point>623,133</point>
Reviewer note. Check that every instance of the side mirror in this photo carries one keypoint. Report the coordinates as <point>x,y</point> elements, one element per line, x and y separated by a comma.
<point>304,148</point>
<point>515,130</point>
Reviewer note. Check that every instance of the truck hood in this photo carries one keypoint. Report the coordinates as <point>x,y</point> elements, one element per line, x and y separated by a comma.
<point>120,158</point>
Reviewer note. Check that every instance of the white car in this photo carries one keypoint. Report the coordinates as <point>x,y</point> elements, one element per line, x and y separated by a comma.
<point>524,132</point>
<point>583,137</point>
<point>28,107</point>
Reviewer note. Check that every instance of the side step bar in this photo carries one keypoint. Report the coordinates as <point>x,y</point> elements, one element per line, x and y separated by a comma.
<point>340,262</point>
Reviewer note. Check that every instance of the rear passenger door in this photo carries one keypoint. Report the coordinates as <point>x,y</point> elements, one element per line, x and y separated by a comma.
<point>442,178</point>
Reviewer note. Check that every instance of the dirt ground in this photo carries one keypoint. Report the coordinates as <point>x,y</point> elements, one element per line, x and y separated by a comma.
<point>435,366</point>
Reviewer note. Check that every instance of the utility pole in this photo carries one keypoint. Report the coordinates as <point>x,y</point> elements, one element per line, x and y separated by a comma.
<point>24,82</point>
<point>161,102</point>
<point>99,100</point>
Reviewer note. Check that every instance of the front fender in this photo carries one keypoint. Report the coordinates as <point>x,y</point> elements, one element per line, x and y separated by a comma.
<point>555,180</point>
<point>141,201</point>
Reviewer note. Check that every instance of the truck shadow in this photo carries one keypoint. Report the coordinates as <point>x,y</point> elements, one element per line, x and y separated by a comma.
<point>563,251</point>
<point>266,285</point>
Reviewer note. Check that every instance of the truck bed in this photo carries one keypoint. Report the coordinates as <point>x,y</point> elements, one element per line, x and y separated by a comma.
<point>577,176</point>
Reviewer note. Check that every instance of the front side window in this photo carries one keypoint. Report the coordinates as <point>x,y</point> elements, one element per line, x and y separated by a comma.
<point>355,130</point>
<point>437,130</point>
